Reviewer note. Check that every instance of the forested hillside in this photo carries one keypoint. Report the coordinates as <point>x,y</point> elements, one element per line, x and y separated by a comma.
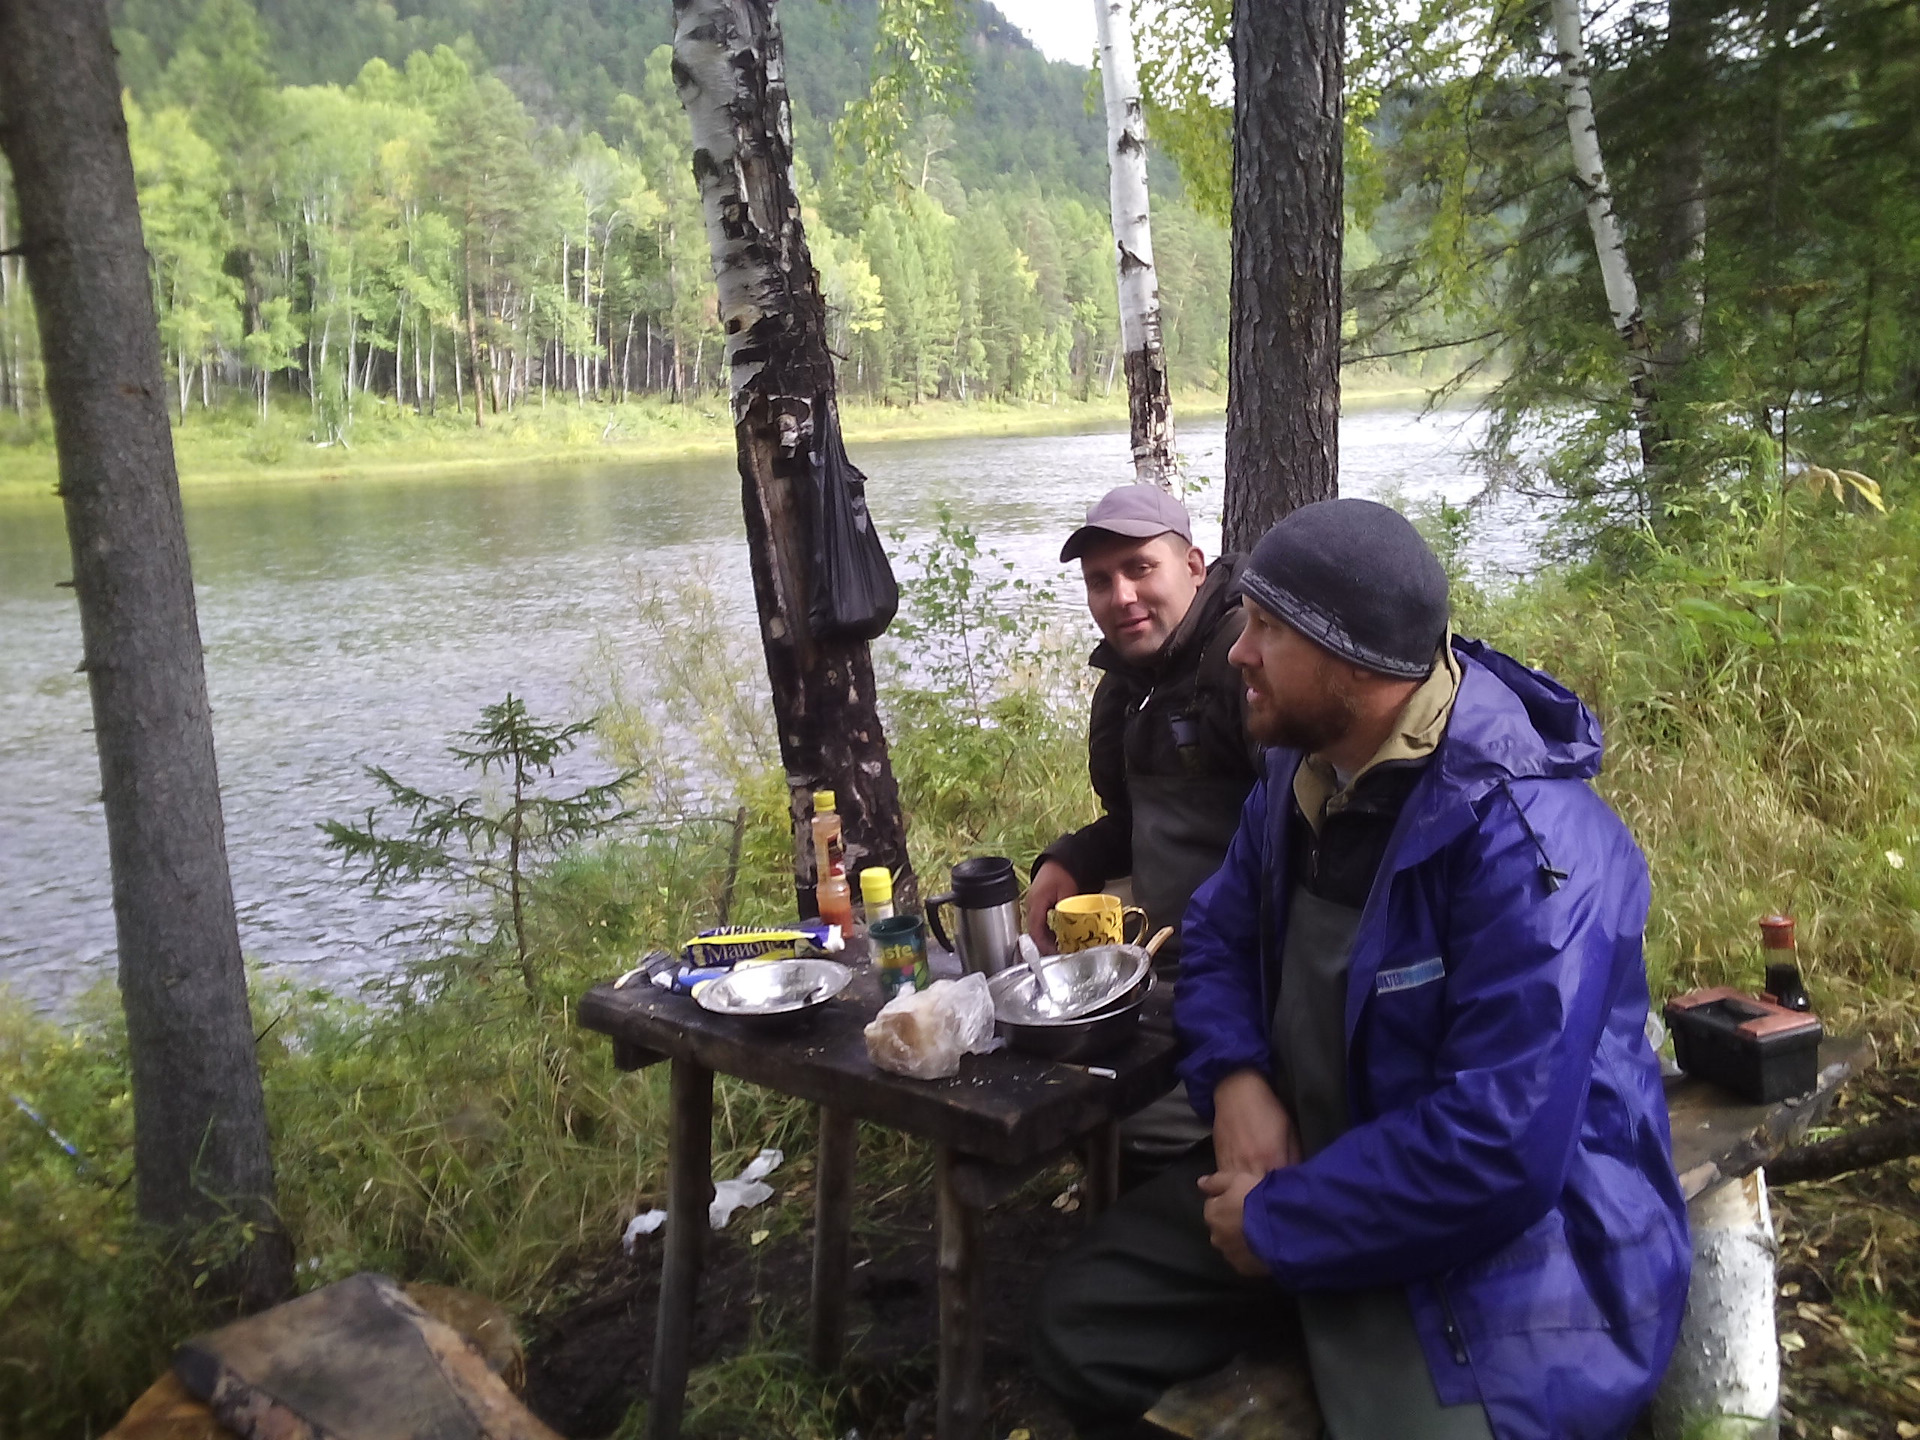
<point>473,203</point>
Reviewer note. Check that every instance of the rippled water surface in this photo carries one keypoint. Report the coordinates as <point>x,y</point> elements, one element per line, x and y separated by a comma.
<point>362,623</point>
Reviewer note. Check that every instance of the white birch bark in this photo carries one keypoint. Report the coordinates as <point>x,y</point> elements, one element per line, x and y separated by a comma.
<point>1149,394</point>
<point>1590,174</point>
<point>1724,1380</point>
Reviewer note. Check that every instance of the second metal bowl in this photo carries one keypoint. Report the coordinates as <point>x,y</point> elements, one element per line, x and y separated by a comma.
<point>1087,981</point>
<point>1081,1038</point>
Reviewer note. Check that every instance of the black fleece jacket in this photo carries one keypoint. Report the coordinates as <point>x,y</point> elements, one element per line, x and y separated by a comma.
<point>1182,715</point>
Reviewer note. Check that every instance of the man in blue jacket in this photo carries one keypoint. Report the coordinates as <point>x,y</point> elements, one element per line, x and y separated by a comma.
<point>1413,1006</point>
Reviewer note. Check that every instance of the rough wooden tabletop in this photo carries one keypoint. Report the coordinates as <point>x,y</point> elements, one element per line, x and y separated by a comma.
<point>1718,1137</point>
<point>1005,1107</point>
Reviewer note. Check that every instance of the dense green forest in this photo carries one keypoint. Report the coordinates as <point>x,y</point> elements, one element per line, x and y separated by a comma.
<point>412,220</point>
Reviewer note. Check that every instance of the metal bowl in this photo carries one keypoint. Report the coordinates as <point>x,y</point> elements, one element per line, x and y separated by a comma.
<point>773,994</point>
<point>1087,981</point>
<point>1083,1038</point>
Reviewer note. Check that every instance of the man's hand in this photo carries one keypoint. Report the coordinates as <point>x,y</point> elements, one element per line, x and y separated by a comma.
<point>1052,883</point>
<point>1226,1204</point>
<point>1252,1131</point>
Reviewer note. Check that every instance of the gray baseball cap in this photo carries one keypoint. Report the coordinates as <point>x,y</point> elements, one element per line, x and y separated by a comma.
<point>1137,511</point>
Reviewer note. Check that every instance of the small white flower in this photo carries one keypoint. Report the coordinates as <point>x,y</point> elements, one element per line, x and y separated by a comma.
<point>1896,860</point>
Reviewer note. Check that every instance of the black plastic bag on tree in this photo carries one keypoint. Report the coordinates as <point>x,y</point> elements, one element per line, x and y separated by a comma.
<point>852,594</point>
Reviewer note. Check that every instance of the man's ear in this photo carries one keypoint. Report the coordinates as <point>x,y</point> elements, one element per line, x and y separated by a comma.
<point>1196,562</point>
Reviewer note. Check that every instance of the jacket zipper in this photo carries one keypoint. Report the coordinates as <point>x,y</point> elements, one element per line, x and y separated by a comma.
<point>1451,1326</point>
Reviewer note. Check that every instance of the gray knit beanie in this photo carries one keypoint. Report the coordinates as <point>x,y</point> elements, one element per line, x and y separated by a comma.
<point>1355,578</point>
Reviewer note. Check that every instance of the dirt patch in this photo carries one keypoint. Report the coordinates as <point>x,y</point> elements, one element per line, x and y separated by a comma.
<point>1849,1312</point>
<point>588,1363</point>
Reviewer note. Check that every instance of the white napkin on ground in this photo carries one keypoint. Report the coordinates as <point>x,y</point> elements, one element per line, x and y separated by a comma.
<point>743,1192</point>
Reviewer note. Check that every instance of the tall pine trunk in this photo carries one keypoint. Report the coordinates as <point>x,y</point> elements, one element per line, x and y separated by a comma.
<point>730,71</point>
<point>1610,249</point>
<point>1283,350</point>
<point>1149,393</point>
<point>1680,295</point>
<point>200,1146</point>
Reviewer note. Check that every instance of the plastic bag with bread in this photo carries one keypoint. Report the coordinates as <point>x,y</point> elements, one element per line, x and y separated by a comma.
<point>923,1033</point>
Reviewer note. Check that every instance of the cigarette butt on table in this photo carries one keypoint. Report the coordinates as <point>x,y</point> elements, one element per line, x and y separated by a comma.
<point>1099,1072</point>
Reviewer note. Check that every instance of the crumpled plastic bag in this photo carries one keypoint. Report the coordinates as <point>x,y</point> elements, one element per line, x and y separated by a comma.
<point>923,1033</point>
<point>746,1190</point>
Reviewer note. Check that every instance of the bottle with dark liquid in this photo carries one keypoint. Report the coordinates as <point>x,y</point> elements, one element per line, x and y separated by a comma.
<point>1782,961</point>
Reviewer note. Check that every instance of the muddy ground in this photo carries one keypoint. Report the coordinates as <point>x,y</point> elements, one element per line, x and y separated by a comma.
<point>588,1364</point>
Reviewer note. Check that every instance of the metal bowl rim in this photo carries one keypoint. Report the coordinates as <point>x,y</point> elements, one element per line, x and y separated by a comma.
<point>840,981</point>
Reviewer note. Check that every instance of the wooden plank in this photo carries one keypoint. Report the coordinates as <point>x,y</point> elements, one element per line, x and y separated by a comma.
<point>689,1191</point>
<point>1718,1137</point>
<point>961,1409</point>
<point>832,1228</point>
<point>1248,1400</point>
<point>1005,1107</point>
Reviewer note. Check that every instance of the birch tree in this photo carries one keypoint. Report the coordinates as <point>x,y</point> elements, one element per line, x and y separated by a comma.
<point>200,1147</point>
<point>731,74</point>
<point>1590,175</point>
<point>1149,393</point>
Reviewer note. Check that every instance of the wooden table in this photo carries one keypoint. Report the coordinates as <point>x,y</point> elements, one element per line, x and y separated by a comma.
<point>1718,1137</point>
<point>1003,1118</point>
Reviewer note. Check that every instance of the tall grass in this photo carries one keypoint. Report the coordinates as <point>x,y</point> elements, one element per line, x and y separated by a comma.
<point>1761,769</point>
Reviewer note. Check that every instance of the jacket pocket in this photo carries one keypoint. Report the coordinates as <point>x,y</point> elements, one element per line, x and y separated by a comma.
<point>1534,1282</point>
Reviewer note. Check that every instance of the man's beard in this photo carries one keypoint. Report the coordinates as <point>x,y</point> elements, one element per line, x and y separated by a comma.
<point>1310,728</point>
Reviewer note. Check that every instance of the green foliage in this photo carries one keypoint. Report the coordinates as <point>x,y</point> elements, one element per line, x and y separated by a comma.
<point>404,226</point>
<point>1763,742</point>
<point>493,852</point>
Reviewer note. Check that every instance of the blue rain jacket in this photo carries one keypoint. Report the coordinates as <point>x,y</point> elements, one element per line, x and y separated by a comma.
<point>1509,1160</point>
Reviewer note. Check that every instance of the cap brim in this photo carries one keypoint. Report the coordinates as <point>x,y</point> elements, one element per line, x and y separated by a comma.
<point>1086,535</point>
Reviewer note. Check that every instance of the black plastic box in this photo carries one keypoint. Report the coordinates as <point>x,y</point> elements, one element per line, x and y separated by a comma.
<point>1760,1051</point>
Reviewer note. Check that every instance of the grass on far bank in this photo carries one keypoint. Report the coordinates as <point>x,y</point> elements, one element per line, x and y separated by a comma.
<point>1763,742</point>
<point>231,443</point>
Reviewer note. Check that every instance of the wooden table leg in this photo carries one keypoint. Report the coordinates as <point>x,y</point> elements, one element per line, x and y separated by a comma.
<point>689,1192</point>
<point>1102,1155</point>
<point>832,1226</point>
<point>962,1409</point>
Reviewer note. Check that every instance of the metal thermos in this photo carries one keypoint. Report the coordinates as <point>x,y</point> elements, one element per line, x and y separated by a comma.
<point>986,914</point>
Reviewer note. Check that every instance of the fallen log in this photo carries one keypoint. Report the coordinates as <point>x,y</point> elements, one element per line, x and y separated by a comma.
<point>1859,1149</point>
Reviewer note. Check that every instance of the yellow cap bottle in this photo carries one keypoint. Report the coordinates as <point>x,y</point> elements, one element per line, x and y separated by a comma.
<point>876,892</point>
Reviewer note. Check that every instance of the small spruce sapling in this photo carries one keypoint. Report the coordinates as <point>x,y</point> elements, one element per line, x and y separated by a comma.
<point>482,851</point>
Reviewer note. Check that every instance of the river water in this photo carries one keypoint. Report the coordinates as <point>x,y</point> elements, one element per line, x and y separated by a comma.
<point>363,623</point>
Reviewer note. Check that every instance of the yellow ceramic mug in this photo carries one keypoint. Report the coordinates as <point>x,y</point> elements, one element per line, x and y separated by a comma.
<point>1080,922</point>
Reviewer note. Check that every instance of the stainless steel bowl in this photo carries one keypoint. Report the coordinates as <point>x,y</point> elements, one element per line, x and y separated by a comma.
<point>1087,981</point>
<point>774,994</point>
<point>1081,1038</point>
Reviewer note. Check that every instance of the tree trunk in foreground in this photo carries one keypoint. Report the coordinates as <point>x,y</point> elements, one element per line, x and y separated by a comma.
<point>730,71</point>
<point>200,1130</point>
<point>1149,393</point>
<point>1616,275</point>
<point>1283,351</point>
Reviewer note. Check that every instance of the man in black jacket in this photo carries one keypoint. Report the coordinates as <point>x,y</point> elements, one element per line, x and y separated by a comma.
<point>1167,744</point>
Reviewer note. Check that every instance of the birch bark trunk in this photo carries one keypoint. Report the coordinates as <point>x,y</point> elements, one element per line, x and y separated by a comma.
<point>1616,274</point>
<point>200,1146</point>
<point>730,71</point>
<point>1149,392</point>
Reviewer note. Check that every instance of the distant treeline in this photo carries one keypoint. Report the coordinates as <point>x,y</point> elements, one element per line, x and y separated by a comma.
<point>416,234</point>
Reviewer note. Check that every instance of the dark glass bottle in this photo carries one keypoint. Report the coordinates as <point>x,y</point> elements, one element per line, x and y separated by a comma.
<point>1782,961</point>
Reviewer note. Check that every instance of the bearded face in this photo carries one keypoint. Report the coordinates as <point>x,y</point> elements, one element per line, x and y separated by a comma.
<point>1297,694</point>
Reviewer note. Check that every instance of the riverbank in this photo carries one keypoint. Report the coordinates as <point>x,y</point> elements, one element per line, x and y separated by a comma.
<point>235,445</point>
